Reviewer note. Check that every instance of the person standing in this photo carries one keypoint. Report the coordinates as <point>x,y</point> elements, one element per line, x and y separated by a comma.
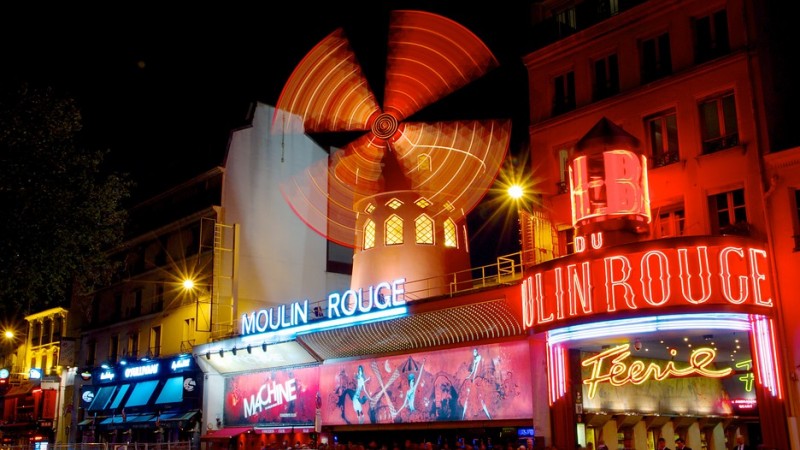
<point>681,445</point>
<point>662,444</point>
<point>740,445</point>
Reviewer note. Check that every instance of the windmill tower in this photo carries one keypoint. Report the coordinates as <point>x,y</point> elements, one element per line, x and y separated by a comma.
<point>399,194</point>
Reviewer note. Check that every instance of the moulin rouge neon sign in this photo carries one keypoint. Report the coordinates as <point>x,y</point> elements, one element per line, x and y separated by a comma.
<point>609,366</point>
<point>700,270</point>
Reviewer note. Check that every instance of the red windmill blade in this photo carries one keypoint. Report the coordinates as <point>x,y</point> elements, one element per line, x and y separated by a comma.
<point>453,162</point>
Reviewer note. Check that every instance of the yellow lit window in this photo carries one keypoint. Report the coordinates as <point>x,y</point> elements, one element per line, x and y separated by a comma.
<point>424,163</point>
<point>369,234</point>
<point>423,202</point>
<point>394,230</point>
<point>369,208</point>
<point>424,229</point>
<point>450,234</point>
<point>394,203</point>
<point>448,206</point>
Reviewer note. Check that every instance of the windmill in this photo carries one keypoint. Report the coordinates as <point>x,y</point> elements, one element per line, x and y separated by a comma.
<point>399,193</point>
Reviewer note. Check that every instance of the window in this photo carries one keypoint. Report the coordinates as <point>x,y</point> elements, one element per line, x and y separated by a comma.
<point>718,123</point>
<point>662,135</point>
<point>606,77</point>
<point>113,349</point>
<point>158,301</point>
<point>796,209</point>
<point>394,230</point>
<point>728,213</point>
<point>566,241</point>
<point>133,344</point>
<point>155,341</point>
<point>423,230</point>
<point>91,353</point>
<point>564,93</point>
<point>711,36</point>
<point>369,234</point>
<point>566,20</point>
<point>563,154</point>
<point>669,222</point>
<point>137,302</point>
<point>656,58</point>
<point>424,163</point>
<point>450,234</point>
<point>58,324</point>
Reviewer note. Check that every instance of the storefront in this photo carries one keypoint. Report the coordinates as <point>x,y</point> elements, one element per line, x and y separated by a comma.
<point>29,411</point>
<point>464,371</point>
<point>158,400</point>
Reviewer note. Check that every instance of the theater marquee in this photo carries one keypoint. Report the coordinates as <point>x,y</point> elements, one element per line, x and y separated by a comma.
<point>692,272</point>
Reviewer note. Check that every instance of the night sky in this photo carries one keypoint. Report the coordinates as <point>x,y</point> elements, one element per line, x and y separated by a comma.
<point>162,88</point>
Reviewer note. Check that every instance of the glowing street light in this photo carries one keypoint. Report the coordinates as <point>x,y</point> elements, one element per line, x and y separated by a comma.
<point>515,191</point>
<point>188,284</point>
<point>9,334</point>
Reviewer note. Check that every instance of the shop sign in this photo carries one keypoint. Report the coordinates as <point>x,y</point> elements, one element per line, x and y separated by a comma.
<point>692,271</point>
<point>181,363</point>
<point>349,303</point>
<point>141,371</point>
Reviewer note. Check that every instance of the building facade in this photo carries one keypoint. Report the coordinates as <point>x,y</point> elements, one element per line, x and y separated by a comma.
<point>690,82</point>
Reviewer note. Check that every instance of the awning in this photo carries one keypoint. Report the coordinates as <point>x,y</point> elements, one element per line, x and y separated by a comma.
<point>284,430</point>
<point>179,416</point>
<point>226,433</point>
<point>22,389</point>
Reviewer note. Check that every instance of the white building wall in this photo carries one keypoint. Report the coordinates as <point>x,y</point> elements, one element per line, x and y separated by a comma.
<point>280,258</point>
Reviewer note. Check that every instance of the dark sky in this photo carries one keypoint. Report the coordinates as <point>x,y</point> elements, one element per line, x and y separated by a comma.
<point>163,88</point>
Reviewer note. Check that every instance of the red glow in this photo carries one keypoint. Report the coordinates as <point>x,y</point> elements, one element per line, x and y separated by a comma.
<point>429,57</point>
<point>612,186</point>
<point>688,271</point>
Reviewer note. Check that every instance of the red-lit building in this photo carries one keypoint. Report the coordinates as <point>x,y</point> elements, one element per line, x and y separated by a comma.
<point>690,86</point>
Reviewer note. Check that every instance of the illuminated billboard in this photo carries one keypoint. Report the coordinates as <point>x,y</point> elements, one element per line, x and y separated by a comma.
<point>272,397</point>
<point>483,382</point>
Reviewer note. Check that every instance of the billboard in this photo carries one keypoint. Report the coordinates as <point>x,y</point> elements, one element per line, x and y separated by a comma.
<point>483,382</point>
<point>272,397</point>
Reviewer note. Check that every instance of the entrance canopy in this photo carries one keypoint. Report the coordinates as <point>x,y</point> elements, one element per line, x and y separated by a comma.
<point>225,433</point>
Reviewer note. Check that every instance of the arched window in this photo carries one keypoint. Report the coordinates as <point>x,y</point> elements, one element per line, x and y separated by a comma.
<point>450,234</point>
<point>369,234</point>
<point>423,229</point>
<point>394,230</point>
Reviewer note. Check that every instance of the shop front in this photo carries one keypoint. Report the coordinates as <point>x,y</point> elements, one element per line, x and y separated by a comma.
<point>157,400</point>
<point>451,369</point>
<point>669,338</point>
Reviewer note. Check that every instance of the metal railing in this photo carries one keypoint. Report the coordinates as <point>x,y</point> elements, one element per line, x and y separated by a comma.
<point>507,269</point>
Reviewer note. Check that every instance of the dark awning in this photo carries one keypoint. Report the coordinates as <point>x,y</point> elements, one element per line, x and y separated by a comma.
<point>226,433</point>
<point>24,388</point>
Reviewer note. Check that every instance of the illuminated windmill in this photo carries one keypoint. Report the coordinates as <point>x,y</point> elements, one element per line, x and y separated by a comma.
<point>400,193</point>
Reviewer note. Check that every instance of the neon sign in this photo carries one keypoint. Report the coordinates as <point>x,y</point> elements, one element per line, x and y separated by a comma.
<point>141,371</point>
<point>691,271</point>
<point>180,363</point>
<point>107,375</point>
<point>609,367</point>
<point>613,183</point>
<point>748,377</point>
<point>375,298</point>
